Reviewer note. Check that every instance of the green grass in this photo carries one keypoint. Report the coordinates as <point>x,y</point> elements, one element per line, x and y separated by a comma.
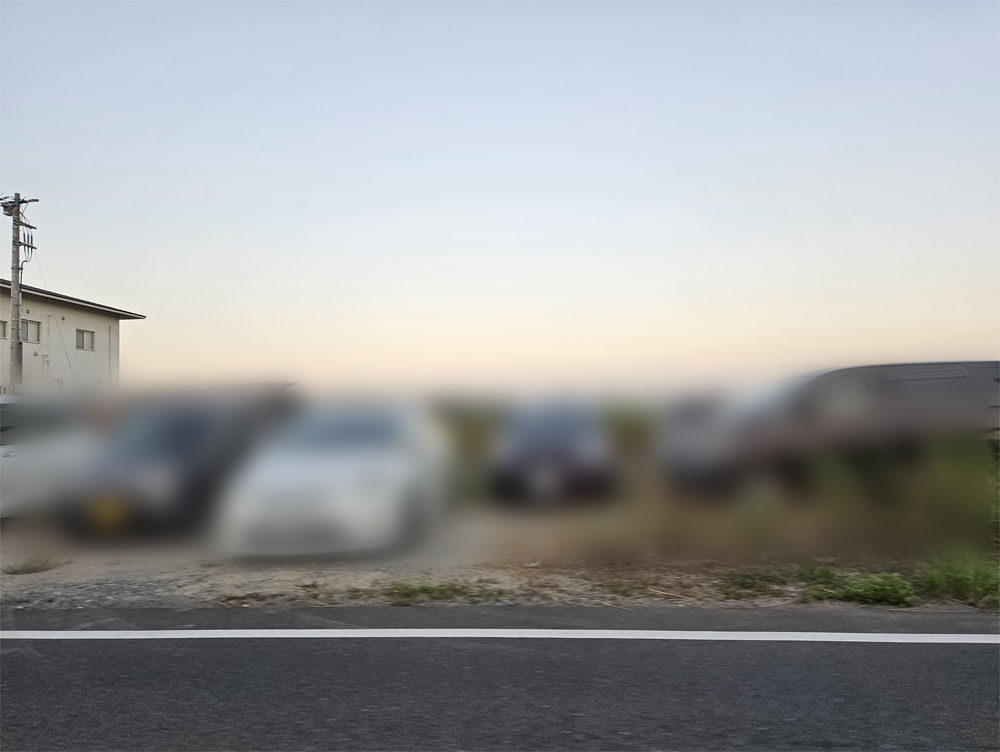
<point>888,588</point>
<point>817,574</point>
<point>825,583</point>
<point>408,593</point>
<point>32,565</point>
<point>969,579</point>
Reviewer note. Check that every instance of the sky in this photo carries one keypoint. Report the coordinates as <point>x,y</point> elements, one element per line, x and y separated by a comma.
<point>607,195</point>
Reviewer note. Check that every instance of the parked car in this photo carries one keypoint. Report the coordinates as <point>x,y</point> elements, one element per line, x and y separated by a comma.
<point>843,411</point>
<point>340,477</point>
<point>549,452</point>
<point>45,447</point>
<point>168,456</point>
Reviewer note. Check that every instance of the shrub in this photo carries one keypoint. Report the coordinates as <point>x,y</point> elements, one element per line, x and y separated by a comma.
<point>970,579</point>
<point>887,587</point>
<point>825,583</point>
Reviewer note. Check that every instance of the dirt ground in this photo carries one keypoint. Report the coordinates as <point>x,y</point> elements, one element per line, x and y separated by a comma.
<point>473,560</point>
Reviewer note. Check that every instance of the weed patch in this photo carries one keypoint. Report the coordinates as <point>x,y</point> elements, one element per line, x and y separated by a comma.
<point>749,583</point>
<point>32,565</point>
<point>887,587</point>
<point>824,583</point>
<point>408,594</point>
<point>816,574</point>
<point>968,579</point>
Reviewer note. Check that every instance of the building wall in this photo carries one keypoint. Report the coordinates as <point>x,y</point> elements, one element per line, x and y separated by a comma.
<point>54,363</point>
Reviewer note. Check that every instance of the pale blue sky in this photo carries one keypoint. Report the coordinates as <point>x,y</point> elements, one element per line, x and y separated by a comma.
<point>488,193</point>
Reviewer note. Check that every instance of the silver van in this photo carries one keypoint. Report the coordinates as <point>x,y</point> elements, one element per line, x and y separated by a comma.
<point>839,410</point>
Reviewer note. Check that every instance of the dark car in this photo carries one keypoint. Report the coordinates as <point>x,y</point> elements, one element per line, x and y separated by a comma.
<point>847,411</point>
<point>549,452</point>
<point>168,458</point>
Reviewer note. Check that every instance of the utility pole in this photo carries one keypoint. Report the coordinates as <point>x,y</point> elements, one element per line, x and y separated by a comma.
<point>12,208</point>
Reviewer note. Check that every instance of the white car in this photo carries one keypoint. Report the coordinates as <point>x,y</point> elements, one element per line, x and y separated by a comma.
<point>337,478</point>
<point>45,448</point>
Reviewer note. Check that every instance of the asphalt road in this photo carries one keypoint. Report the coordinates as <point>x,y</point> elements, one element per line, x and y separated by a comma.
<point>431,694</point>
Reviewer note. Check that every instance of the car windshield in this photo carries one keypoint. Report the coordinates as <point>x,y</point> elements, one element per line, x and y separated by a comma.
<point>555,425</point>
<point>342,429</point>
<point>166,432</point>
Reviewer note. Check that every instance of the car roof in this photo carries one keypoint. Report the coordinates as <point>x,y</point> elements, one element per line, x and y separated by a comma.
<point>903,365</point>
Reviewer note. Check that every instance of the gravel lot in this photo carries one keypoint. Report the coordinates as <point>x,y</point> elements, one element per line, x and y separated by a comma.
<point>473,560</point>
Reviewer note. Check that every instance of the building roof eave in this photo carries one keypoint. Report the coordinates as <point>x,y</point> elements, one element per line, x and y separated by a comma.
<point>38,292</point>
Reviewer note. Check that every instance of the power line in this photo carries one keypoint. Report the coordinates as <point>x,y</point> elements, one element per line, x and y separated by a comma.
<point>62,341</point>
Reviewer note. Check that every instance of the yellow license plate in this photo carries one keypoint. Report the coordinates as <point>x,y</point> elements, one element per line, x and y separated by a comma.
<point>109,513</point>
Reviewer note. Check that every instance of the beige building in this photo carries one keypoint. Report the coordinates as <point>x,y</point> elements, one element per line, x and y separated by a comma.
<point>70,344</point>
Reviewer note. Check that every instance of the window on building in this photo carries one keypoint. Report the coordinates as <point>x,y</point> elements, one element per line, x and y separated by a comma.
<point>84,339</point>
<point>31,331</point>
<point>3,330</point>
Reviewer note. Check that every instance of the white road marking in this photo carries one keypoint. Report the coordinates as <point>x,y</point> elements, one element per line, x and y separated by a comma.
<point>501,634</point>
